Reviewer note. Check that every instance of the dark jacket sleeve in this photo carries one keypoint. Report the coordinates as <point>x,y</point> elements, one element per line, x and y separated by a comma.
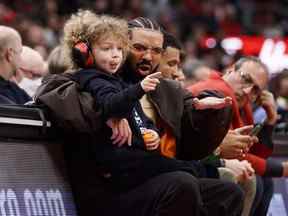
<point>5,100</point>
<point>274,168</point>
<point>265,136</point>
<point>114,102</point>
<point>187,97</point>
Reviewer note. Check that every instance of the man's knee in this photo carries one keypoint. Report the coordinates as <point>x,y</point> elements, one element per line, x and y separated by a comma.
<point>180,191</point>
<point>182,183</point>
<point>238,192</point>
<point>237,197</point>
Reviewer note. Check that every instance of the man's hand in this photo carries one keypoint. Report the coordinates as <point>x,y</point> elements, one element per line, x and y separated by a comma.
<point>151,139</point>
<point>121,132</point>
<point>241,169</point>
<point>245,130</point>
<point>266,100</point>
<point>236,143</point>
<point>150,82</point>
<point>212,103</point>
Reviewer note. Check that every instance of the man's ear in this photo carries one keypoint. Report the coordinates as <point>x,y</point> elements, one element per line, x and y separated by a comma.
<point>8,55</point>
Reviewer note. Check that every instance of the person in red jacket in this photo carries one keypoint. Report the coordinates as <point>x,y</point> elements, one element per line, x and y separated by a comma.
<point>245,82</point>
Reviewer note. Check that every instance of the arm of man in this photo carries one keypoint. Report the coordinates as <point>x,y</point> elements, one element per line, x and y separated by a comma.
<point>236,143</point>
<point>267,101</point>
<point>241,169</point>
<point>265,146</point>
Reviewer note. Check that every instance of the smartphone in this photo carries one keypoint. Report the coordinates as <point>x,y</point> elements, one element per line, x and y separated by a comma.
<point>256,129</point>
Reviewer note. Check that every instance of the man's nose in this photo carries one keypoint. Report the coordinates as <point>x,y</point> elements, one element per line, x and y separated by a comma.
<point>248,90</point>
<point>147,55</point>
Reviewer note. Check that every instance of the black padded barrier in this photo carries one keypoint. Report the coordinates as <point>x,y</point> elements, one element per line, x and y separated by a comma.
<point>33,179</point>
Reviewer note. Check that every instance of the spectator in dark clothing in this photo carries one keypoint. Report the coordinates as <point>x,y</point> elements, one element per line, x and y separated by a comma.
<point>13,92</point>
<point>10,60</point>
<point>167,103</point>
<point>151,190</point>
<point>233,170</point>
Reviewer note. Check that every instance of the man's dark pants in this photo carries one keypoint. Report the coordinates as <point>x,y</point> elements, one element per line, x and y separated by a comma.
<point>174,193</point>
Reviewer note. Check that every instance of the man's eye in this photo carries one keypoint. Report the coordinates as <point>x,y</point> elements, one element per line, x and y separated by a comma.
<point>139,47</point>
<point>172,64</point>
<point>157,50</point>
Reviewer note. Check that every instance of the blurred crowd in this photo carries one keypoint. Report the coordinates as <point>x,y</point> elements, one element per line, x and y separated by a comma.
<point>40,24</point>
<point>87,50</point>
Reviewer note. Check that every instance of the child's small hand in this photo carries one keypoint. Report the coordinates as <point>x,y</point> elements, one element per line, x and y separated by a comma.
<point>151,139</point>
<point>121,132</point>
<point>150,82</point>
<point>212,103</point>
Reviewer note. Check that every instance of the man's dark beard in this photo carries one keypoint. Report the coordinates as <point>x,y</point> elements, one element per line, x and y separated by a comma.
<point>144,63</point>
<point>129,73</point>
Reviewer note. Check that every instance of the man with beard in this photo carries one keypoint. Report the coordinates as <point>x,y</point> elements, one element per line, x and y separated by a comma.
<point>10,60</point>
<point>165,106</point>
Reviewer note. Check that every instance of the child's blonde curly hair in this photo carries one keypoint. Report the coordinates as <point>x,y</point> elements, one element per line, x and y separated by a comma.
<point>85,26</point>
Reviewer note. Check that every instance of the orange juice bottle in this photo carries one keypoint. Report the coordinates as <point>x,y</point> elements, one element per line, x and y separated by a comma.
<point>146,134</point>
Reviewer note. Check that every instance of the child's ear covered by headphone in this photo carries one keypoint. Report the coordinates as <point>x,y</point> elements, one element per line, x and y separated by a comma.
<point>82,55</point>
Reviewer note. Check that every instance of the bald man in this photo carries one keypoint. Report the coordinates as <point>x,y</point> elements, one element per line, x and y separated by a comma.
<point>10,60</point>
<point>31,70</point>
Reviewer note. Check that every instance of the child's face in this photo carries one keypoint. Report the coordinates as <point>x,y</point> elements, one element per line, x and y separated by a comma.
<point>108,54</point>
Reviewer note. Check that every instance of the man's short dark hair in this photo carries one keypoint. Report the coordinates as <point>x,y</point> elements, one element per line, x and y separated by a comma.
<point>171,41</point>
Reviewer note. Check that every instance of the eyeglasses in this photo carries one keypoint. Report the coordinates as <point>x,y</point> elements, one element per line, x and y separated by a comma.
<point>249,82</point>
<point>142,49</point>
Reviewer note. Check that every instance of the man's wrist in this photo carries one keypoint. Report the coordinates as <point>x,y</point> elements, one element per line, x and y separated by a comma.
<point>271,115</point>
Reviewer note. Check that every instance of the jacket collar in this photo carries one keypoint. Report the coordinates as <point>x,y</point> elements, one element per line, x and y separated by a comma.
<point>4,82</point>
<point>168,99</point>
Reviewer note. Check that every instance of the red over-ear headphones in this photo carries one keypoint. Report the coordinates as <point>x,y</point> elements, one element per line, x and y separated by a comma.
<point>82,55</point>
